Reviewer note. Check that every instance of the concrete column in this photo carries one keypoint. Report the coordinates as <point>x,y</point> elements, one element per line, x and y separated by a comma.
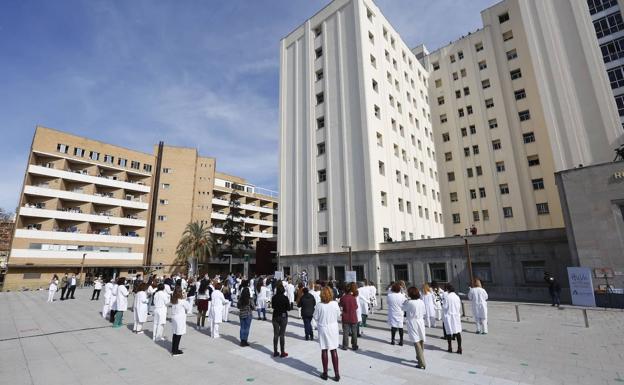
<point>377,272</point>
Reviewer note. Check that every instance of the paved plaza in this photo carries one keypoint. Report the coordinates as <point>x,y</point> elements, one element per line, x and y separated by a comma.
<point>69,343</point>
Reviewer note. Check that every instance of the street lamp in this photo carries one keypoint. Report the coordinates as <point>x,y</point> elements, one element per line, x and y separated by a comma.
<point>467,247</point>
<point>350,255</point>
<point>81,268</point>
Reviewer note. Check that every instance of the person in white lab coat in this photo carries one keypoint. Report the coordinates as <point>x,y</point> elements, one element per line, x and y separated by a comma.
<point>478,298</point>
<point>395,312</point>
<point>373,295</point>
<point>262,295</point>
<point>179,309</point>
<point>97,287</point>
<point>290,293</point>
<point>140,308</point>
<point>438,299</point>
<point>452,319</point>
<point>108,299</point>
<point>364,302</point>
<point>53,288</point>
<point>121,305</point>
<point>326,315</point>
<point>415,312</point>
<point>430,312</point>
<point>160,301</point>
<point>217,306</point>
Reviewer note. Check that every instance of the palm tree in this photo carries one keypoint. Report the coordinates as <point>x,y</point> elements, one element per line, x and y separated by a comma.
<point>196,245</point>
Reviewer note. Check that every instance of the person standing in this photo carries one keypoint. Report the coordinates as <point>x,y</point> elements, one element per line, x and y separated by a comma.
<point>373,295</point>
<point>452,319</point>
<point>348,304</point>
<point>227,294</point>
<point>395,312</point>
<point>53,288</point>
<point>121,305</point>
<point>217,307</point>
<point>108,294</point>
<point>262,295</point>
<point>478,298</point>
<point>306,304</point>
<point>430,312</point>
<point>280,305</point>
<point>140,308</point>
<point>326,315</point>
<point>438,297</point>
<point>290,293</point>
<point>245,313</point>
<point>97,287</point>
<point>113,301</point>
<point>202,304</point>
<point>73,281</point>
<point>191,293</point>
<point>179,309</point>
<point>364,302</point>
<point>415,312</point>
<point>160,301</point>
<point>554,288</point>
<point>64,286</point>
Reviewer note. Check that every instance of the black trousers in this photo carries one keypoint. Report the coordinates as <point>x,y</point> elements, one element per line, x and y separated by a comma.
<point>96,294</point>
<point>112,315</point>
<point>71,291</point>
<point>175,343</point>
<point>63,290</point>
<point>279,330</point>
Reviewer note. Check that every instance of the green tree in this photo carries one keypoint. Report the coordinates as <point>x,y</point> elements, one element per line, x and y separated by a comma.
<point>196,245</point>
<point>233,240</point>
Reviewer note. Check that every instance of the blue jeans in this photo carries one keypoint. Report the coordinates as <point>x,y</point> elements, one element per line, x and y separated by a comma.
<point>245,326</point>
<point>556,298</point>
<point>263,311</point>
<point>307,326</point>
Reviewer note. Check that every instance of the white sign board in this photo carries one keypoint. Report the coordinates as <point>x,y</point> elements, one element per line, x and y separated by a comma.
<point>350,276</point>
<point>278,275</point>
<point>581,286</point>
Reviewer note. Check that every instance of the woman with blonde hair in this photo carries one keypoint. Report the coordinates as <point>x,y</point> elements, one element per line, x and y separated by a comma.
<point>179,309</point>
<point>326,315</point>
<point>478,298</point>
<point>430,312</point>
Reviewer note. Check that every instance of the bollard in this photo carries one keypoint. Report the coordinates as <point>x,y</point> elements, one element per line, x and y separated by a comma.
<point>585,317</point>
<point>517,313</point>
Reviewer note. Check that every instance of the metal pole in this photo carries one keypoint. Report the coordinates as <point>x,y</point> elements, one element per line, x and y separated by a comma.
<point>469,261</point>
<point>517,313</point>
<point>230,268</point>
<point>81,269</point>
<point>350,260</point>
<point>585,317</point>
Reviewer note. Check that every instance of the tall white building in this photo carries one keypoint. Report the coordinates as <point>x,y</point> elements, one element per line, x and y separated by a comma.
<point>357,159</point>
<point>513,103</point>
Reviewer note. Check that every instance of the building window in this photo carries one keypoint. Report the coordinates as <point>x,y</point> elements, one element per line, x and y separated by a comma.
<point>400,204</point>
<point>453,196</point>
<point>503,18</point>
<point>460,55</point>
<point>164,201</point>
<point>446,137</point>
<point>538,184</point>
<point>619,101</point>
<point>504,189</point>
<point>322,176</point>
<point>62,148</point>
<point>377,111</point>
<point>438,83</point>
<point>319,75</point>
<point>482,65</point>
<point>479,170</point>
<point>379,140</point>
<point>533,271</point>
<point>398,176</point>
<point>475,149</point>
<point>443,118</point>
<point>373,61</point>
<point>147,167</point>
<point>318,52</point>
<point>479,47</point>
<point>466,93</point>
<point>612,50</point>
<point>507,36</point>
<point>320,98</point>
<point>485,84</point>
<point>500,166</point>
<point>496,144</point>
<point>440,100</point>
<point>482,271</point>
<point>473,194</point>
<point>94,155</point>
<point>507,212</point>
<point>596,6</point>
<point>492,123</point>
<point>320,148</point>
<point>528,137</point>
<point>460,112</point>
<point>167,170</point>
<point>135,165</point>
<point>512,54</point>
<point>320,122</point>
<point>318,31</point>
<point>79,151</point>
<point>160,234</point>
<point>457,94</point>
<point>485,214</point>
<point>436,66</point>
<point>384,198</point>
<point>520,94</point>
<point>473,129</point>
<point>515,74</point>
<point>466,151</point>
<point>533,160</point>
<point>609,24</point>
<point>371,37</point>
<point>489,103</point>
<point>455,76</point>
<point>448,156</point>
<point>375,86</point>
<point>450,176</point>
<point>524,115</point>
<point>463,72</point>
<point>482,192</point>
<point>323,238</point>
<point>438,272</point>
<point>408,207</point>
<point>452,58</point>
<point>616,77</point>
<point>401,273</point>
<point>456,218</point>
<point>162,218</point>
<point>322,204</point>
<point>122,162</point>
<point>166,186</point>
<point>475,216</point>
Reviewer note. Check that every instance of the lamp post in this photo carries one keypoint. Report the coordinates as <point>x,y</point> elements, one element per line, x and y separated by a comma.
<point>81,269</point>
<point>467,247</point>
<point>350,256</point>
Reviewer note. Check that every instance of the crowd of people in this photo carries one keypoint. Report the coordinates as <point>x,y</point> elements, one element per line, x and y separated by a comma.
<point>322,306</point>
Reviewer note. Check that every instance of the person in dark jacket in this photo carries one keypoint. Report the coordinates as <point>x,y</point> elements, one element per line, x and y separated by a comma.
<point>554,288</point>
<point>280,305</point>
<point>348,304</point>
<point>306,304</point>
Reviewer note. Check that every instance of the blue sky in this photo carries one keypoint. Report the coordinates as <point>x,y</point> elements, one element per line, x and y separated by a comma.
<point>192,73</point>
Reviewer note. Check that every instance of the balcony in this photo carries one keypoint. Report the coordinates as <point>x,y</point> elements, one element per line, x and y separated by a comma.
<point>77,237</point>
<point>223,202</point>
<point>77,216</point>
<point>252,234</point>
<point>81,197</point>
<point>83,176</point>
<point>76,255</point>
<point>220,216</point>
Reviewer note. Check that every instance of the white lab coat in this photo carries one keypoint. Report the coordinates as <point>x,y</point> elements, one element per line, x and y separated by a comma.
<point>415,313</point>
<point>53,286</point>
<point>108,295</point>
<point>478,298</point>
<point>363,300</point>
<point>122,298</point>
<point>326,316</point>
<point>316,295</point>
<point>452,313</point>
<point>262,297</point>
<point>217,302</point>
<point>97,284</point>
<point>113,298</point>
<point>178,316</point>
<point>395,310</point>
<point>140,307</point>
<point>161,299</point>
<point>290,292</point>
<point>429,305</point>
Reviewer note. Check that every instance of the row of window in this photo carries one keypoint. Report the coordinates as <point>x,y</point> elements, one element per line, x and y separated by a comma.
<point>596,6</point>
<point>541,208</point>
<point>609,24</point>
<point>538,184</point>
<point>94,155</point>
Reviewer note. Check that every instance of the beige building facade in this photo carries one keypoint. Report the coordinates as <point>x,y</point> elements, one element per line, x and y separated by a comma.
<point>103,209</point>
<point>513,103</point>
